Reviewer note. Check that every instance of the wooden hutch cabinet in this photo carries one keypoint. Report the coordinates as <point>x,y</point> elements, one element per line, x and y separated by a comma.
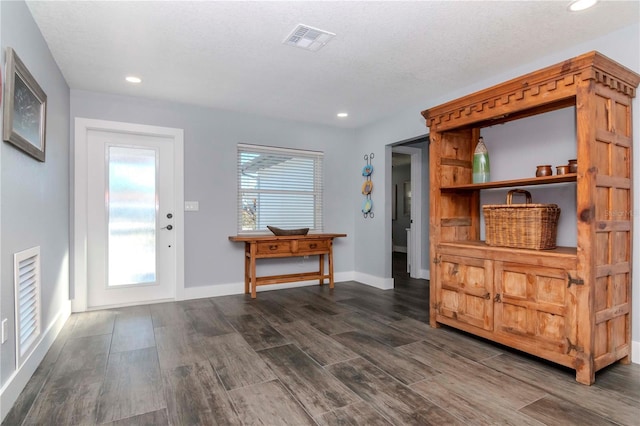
<point>570,305</point>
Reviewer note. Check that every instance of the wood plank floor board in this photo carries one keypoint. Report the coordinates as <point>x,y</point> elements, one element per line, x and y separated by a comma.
<point>131,386</point>
<point>94,323</point>
<point>315,388</point>
<point>269,403</point>
<point>477,377</point>
<point>294,297</point>
<point>469,404</point>
<point>235,362</point>
<point>556,412</point>
<point>306,310</point>
<point>394,305</point>
<point>396,402</point>
<point>621,378</point>
<point>328,324</point>
<point>359,413</point>
<point>87,354</point>
<point>610,404</point>
<point>209,322</point>
<point>379,330</point>
<point>273,312</point>
<point>320,347</point>
<point>133,329</point>
<point>169,315</point>
<point>28,395</point>
<point>378,308</point>
<point>69,399</point>
<point>195,396</point>
<point>177,347</point>
<point>451,340</point>
<point>394,363</point>
<point>332,295</point>
<point>235,305</point>
<point>154,418</point>
<point>257,331</point>
<point>196,303</point>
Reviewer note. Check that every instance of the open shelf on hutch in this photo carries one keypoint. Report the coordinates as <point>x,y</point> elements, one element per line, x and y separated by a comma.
<point>561,251</point>
<point>570,305</point>
<point>544,180</point>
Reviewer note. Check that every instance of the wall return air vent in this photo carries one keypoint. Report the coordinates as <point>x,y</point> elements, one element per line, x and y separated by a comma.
<point>308,38</point>
<point>26,277</point>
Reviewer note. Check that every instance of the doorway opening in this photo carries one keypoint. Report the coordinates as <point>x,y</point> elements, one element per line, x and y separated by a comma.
<point>409,212</point>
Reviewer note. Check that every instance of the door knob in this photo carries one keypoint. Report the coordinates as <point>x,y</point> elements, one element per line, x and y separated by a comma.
<point>168,227</point>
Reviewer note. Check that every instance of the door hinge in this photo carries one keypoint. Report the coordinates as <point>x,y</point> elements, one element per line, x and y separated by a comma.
<point>576,281</point>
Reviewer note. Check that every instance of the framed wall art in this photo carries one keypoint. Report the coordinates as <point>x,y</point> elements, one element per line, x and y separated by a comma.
<point>25,109</point>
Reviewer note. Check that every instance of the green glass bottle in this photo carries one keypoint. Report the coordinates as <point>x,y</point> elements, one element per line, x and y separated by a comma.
<point>481,168</point>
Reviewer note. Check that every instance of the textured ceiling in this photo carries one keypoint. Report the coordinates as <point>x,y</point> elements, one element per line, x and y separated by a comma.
<point>385,56</point>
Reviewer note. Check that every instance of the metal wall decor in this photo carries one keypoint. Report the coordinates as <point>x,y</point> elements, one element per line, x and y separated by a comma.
<point>367,187</point>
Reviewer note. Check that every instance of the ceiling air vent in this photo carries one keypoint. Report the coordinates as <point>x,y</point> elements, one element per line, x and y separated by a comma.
<point>308,38</point>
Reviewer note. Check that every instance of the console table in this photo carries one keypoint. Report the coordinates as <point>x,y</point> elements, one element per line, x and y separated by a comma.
<point>269,246</point>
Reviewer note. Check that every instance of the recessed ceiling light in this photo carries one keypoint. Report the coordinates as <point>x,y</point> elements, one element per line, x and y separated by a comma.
<point>578,5</point>
<point>133,79</point>
<point>342,114</point>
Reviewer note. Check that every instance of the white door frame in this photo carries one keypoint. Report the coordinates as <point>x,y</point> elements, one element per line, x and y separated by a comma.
<point>79,269</point>
<point>415,251</point>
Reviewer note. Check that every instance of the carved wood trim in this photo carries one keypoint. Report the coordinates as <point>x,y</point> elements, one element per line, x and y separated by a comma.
<point>532,91</point>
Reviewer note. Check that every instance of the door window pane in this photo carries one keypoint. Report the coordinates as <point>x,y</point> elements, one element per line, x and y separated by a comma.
<point>132,216</point>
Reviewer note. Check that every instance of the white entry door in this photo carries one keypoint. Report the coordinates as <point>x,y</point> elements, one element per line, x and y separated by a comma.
<point>131,210</point>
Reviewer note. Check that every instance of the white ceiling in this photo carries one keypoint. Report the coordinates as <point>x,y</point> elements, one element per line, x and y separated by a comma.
<point>385,56</point>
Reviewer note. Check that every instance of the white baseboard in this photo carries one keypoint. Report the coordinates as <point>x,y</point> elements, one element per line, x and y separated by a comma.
<point>400,249</point>
<point>18,380</point>
<point>425,274</point>
<point>635,352</point>
<point>373,281</point>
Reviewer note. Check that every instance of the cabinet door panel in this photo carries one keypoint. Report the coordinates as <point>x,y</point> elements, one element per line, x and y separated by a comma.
<point>532,303</point>
<point>465,292</point>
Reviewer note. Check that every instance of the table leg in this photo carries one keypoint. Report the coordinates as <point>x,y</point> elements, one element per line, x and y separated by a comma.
<point>330,264</point>
<point>252,269</point>
<point>247,276</point>
<point>321,269</point>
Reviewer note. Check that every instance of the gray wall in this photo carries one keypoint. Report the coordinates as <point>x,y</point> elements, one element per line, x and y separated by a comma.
<point>35,196</point>
<point>210,140</point>
<point>622,46</point>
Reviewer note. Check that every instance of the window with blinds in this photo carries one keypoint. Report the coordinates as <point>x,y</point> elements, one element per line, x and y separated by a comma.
<point>279,187</point>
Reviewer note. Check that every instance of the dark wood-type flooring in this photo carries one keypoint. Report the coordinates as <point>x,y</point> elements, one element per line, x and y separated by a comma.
<point>305,356</point>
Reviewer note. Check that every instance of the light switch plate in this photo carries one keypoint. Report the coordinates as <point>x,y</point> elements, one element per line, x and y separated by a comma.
<point>191,206</point>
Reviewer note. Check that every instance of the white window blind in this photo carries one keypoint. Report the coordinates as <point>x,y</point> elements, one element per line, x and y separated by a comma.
<point>279,187</point>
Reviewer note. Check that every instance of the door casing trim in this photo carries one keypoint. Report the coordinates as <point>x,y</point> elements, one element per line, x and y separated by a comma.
<point>78,289</point>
